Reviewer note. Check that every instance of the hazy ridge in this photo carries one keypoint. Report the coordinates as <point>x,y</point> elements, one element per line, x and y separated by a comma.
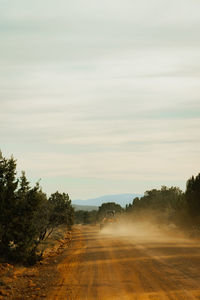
<point>121,199</point>
<point>85,207</point>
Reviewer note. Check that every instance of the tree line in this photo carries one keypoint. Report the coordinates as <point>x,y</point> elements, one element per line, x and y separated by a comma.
<point>167,205</point>
<point>95,216</point>
<point>171,206</point>
<point>27,215</point>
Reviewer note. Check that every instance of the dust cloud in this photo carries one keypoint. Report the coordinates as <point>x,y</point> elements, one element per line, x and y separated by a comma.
<point>145,229</point>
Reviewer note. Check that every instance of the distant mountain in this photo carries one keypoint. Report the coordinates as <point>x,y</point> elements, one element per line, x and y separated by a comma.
<point>121,199</point>
<point>84,207</point>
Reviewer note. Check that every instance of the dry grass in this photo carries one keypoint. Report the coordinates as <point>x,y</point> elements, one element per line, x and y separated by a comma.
<point>18,282</point>
<point>53,241</point>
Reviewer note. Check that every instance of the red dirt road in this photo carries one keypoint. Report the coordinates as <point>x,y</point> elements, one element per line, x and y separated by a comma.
<point>105,267</point>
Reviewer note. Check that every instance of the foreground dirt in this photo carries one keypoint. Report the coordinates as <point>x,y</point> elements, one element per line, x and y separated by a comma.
<point>19,283</point>
<point>105,266</point>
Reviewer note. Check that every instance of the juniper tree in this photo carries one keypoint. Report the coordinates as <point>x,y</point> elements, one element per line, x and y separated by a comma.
<point>192,196</point>
<point>8,201</point>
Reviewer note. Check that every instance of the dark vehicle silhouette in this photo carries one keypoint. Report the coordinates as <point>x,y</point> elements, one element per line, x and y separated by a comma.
<point>109,219</point>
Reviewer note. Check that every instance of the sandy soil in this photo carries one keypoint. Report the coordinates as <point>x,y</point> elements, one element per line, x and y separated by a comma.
<point>20,283</point>
<point>102,265</point>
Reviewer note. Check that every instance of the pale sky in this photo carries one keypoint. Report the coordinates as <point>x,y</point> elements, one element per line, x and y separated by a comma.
<point>101,97</point>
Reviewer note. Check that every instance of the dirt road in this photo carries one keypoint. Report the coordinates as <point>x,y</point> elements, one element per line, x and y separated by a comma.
<point>105,267</point>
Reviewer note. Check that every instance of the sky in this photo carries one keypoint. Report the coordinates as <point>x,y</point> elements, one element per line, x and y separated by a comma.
<point>101,97</point>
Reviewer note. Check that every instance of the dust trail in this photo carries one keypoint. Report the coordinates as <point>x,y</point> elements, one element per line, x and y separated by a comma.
<point>129,260</point>
<point>144,230</point>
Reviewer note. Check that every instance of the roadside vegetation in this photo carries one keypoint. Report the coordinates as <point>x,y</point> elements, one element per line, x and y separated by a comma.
<point>27,216</point>
<point>85,217</point>
<point>168,206</point>
<point>95,216</point>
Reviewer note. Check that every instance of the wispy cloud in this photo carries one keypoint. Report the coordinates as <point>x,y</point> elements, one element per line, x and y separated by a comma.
<point>102,92</point>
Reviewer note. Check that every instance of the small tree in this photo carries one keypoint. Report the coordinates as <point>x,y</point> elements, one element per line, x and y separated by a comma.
<point>62,211</point>
<point>26,215</point>
<point>28,222</point>
<point>192,196</point>
<point>8,201</point>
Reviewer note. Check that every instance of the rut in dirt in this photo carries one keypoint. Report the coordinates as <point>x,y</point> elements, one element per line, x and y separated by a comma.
<point>104,266</point>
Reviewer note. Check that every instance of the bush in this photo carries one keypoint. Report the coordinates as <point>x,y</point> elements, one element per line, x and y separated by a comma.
<point>26,215</point>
